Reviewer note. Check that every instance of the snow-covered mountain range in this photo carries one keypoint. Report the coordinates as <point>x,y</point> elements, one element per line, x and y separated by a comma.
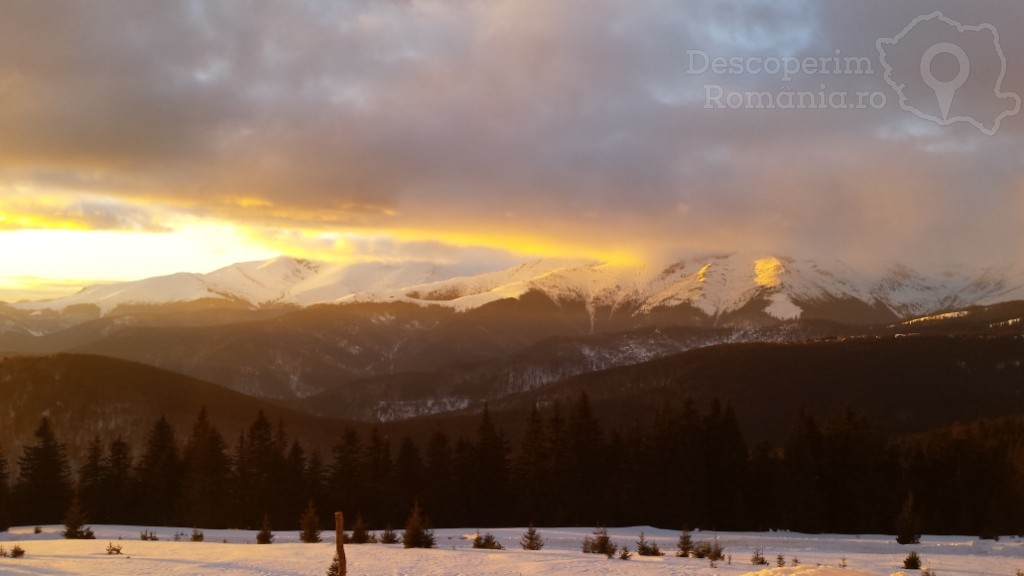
<point>783,288</point>
<point>416,339</point>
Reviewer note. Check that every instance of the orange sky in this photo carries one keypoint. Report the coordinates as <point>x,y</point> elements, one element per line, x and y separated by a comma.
<point>149,138</point>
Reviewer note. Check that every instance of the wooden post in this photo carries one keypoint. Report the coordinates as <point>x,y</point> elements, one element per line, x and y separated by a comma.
<point>339,536</point>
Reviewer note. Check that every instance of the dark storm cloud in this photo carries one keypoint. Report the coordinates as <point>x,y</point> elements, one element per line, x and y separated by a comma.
<point>576,122</point>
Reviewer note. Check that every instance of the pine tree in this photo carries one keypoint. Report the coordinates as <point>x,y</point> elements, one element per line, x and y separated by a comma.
<point>487,541</point>
<point>347,474</point>
<point>531,540</point>
<point>314,478</point>
<point>5,495</point>
<point>407,477</point>
<point>206,476</point>
<point>90,480</point>
<point>44,488</point>
<point>74,523</point>
<point>854,469</point>
<point>310,524</point>
<point>489,494</point>
<point>241,483</point>
<point>293,492</point>
<point>912,561</point>
<point>117,502</point>
<point>264,470</point>
<point>377,459</point>
<point>599,543</point>
<point>265,536</point>
<point>685,545</point>
<point>158,476</point>
<point>559,463</point>
<point>417,533</point>
<point>360,535</point>
<point>587,464</point>
<point>724,460</point>
<point>440,493</point>
<point>908,525</point>
<point>532,468</point>
<point>802,474</point>
<point>388,535</point>
<point>645,548</point>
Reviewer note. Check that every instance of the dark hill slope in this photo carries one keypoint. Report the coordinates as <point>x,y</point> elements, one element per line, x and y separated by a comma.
<point>903,384</point>
<point>87,396</point>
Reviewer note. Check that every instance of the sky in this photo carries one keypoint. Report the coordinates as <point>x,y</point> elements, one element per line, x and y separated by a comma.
<point>146,138</point>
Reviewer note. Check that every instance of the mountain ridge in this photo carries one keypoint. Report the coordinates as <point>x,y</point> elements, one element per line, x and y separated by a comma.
<point>715,287</point>
<point>89,396</point>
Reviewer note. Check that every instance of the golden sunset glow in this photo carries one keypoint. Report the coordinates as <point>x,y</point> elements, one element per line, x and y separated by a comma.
<point>66,255</point>
<point>50,263</point>
<point>436,132</point>
<point>768,271</point>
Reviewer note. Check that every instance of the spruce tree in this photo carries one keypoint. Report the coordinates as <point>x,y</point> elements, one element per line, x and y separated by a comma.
<point>44,489</point>
<point>265,536</point>
<point>241,483</point>
<point>599,543</point>
<point>388,535</point>
<point>377,459</point>
<point>346,475</point>
<point>441,496</point>
<point>486,541</point>
<point>532,469</point>
<point>531,540</point>
<point>489,495</point>
<point>74,523</point>
<point>360,535</point>
<point>417,533</point>
<point>90,480</point>
<point>5,495</point>
<point>725,462</point>
<point>314,479</point>
<point>117,501</point>
<point>310,525</point>
<point>559,464</point>
<point>206,476</point>
<point>685,545</point>
<point>587,464</point>
<point>912,561</point>
<point>158,476</point>
<point>265,472</point>
<point>292,490</point>
<point>407,477</point>
<point>647,548</point>
<point>908,525</point>
<point>802,472</point>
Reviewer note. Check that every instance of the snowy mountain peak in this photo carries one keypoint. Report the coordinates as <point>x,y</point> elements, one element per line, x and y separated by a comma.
<point>783,288</point>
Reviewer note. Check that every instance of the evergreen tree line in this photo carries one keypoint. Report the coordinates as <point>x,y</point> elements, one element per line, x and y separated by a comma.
<point>683,468</point>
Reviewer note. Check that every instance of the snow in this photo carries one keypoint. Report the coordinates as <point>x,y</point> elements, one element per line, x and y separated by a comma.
<point>232,552</point>
<point>935,317</point>
<point>1006,324</point>
<point>716,285</point>
<point>280,280</point>
<point>809,571</point>
<point>782,307</point>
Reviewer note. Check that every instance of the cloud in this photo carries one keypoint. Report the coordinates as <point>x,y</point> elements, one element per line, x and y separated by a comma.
<point>504,125</point>
<point>17,289</point>
<point>20,211</point>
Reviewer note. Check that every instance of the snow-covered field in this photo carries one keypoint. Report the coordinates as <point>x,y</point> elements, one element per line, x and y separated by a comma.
<point>232,552</point>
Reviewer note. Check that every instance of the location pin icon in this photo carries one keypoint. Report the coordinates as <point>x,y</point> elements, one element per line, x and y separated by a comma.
<point>944,91</point>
